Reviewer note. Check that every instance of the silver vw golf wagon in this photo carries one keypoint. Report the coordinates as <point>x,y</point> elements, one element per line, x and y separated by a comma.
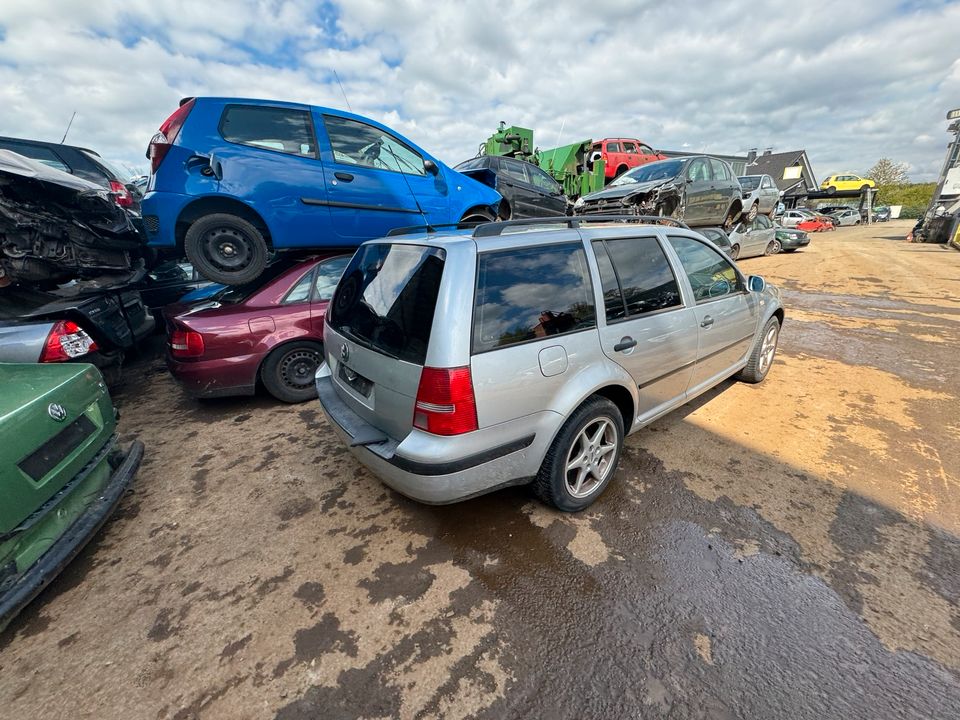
<point>459,361</point>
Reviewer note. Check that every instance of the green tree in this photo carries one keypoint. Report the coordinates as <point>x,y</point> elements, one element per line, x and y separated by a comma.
<point>887,172</point>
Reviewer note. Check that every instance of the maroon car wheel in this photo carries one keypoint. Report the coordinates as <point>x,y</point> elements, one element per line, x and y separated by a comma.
<point>288,371</point>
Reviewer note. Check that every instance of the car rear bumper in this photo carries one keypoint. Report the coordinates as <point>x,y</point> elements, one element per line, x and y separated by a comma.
<point>439,481</point>
<point>35,578</point>
<point>216,378</point>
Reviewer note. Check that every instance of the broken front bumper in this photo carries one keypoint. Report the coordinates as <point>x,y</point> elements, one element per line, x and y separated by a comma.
<point>28,584</point>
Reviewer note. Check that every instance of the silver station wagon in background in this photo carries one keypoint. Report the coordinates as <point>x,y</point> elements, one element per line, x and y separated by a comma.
<point>460,361</point>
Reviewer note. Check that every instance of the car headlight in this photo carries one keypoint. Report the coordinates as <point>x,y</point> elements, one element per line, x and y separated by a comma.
<point>578,203</point>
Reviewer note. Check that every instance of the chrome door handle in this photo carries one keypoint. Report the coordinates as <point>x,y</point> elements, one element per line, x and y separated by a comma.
<point>706,322</point>
<point>626,343</point>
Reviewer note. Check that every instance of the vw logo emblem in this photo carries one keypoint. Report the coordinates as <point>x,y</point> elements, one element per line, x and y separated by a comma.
<point>57,412</point>
<point>344,352</point>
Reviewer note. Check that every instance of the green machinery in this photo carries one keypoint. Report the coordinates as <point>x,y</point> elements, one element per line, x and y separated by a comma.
<point>571,165</point>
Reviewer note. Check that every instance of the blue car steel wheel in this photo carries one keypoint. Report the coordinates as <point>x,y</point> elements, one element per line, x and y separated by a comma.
<point>227,248</point>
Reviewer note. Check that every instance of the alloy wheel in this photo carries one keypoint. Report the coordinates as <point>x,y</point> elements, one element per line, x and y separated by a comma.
<point>591,457</point>
<point>767,349</point>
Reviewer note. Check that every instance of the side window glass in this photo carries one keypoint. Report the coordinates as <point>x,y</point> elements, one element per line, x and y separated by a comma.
<point>764,222</point>
<point>711,275</point>
<point>531,293</point>
<point>516,171</point>
<point>699,170</point>
<point>281,129</point>
<point>301,291</point>
<point>629,147</point>
<point>328,275</point>
<point>612,295</point>
<point>647,150</point>
<point>40,154</point>
<point>543,181</point>
<point>719,169</point>
<point>613,147</point>
<point>356,143</point>
<point>646,280</point>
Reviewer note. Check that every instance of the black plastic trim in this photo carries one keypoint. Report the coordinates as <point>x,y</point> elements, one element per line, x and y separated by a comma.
<point>356,206</point>
<point>421,468</point>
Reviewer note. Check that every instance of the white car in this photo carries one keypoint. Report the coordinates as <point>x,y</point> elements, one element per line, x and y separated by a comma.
<point>846,217</point>
<point>760,196</point>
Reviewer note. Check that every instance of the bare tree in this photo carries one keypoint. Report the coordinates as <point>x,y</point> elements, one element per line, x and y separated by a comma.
<point>887,172</point>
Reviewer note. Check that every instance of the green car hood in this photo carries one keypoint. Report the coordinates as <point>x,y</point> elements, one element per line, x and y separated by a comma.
<point>32,435</point>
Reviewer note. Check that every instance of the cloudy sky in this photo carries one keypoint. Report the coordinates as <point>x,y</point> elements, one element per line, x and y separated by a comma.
<point>850,82</point>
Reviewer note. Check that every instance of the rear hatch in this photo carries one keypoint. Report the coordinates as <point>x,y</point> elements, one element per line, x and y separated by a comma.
<point>378,329</point>
<point>54,418</point>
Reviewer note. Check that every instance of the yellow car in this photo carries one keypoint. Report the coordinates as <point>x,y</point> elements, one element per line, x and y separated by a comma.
<point>846,182</point>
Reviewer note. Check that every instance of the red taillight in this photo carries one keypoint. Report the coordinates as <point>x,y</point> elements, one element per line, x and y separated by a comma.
<point>66,341</point>
<point>160,142</point>
<point>122,196</point>
<point>445,401</point>
<point>186,343</point>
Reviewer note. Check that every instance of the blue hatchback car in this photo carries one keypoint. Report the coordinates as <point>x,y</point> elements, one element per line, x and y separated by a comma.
<point>232,180</point>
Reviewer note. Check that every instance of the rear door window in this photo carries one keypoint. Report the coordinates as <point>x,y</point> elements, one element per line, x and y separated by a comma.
<point>515,171</point>
<point>329,273</point>
<point>720,171</point>
<point>527,294</point>
<point>284,130</point>
<point>386,299</point>
<point>643,274</point>
<point>629,147</point>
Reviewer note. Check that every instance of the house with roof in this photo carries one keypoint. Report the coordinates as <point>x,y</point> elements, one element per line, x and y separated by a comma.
<point>791,171</point>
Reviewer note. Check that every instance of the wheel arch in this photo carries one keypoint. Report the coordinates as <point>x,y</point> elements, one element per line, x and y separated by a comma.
<point>211,204</point>
<point>279,345</point>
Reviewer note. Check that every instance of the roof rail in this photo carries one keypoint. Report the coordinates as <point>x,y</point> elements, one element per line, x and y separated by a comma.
<point>492,229</point>
<point>432,228</point>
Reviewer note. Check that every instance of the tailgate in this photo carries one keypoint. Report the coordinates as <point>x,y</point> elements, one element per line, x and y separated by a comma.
<point>377,331</point>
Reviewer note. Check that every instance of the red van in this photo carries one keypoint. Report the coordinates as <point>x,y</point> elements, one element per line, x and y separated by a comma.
<point>621,154</point>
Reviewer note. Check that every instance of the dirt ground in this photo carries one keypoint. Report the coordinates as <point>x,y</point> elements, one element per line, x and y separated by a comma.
<point>785,550</point>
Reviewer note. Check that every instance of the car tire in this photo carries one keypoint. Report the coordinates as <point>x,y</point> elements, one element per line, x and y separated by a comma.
<point>288,371</point>
<point>773,247</point>
<point>734,252</point>
<point>761,359</point>
<point>592,435</point>
<point>226,249</point>
<point>864,188</point>
<point>754,211</point>
<point>831,190</point>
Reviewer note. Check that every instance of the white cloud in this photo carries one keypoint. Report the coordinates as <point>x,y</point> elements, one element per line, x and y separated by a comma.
<point>848,82</point>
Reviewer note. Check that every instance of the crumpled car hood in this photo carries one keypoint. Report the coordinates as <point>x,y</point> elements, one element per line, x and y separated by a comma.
<point>56,227</point>
<point>622,191</point>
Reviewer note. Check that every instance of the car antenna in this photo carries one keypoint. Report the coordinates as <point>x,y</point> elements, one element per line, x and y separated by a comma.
<point>407,182</point>
<point>342,90</point>
<point>64,138</point>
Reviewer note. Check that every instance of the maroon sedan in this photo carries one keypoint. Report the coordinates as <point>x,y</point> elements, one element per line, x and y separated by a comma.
<point>270,330</point>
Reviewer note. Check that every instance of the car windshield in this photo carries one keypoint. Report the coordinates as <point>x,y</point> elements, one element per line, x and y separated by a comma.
<point>749,182</point>
<point>662,170</point>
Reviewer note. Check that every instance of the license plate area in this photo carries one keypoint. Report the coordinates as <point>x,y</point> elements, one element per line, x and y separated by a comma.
<point>357,382</point>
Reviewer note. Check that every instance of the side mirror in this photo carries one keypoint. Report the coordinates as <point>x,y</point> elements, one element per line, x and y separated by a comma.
<point>756,284</point>
<point>431,167</point>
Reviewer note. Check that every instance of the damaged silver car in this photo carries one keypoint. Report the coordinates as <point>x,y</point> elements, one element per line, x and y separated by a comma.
<point>698,190</point>
<point>56,227</point>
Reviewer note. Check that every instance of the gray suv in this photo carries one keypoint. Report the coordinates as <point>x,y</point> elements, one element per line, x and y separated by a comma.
<point>460,361</point>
